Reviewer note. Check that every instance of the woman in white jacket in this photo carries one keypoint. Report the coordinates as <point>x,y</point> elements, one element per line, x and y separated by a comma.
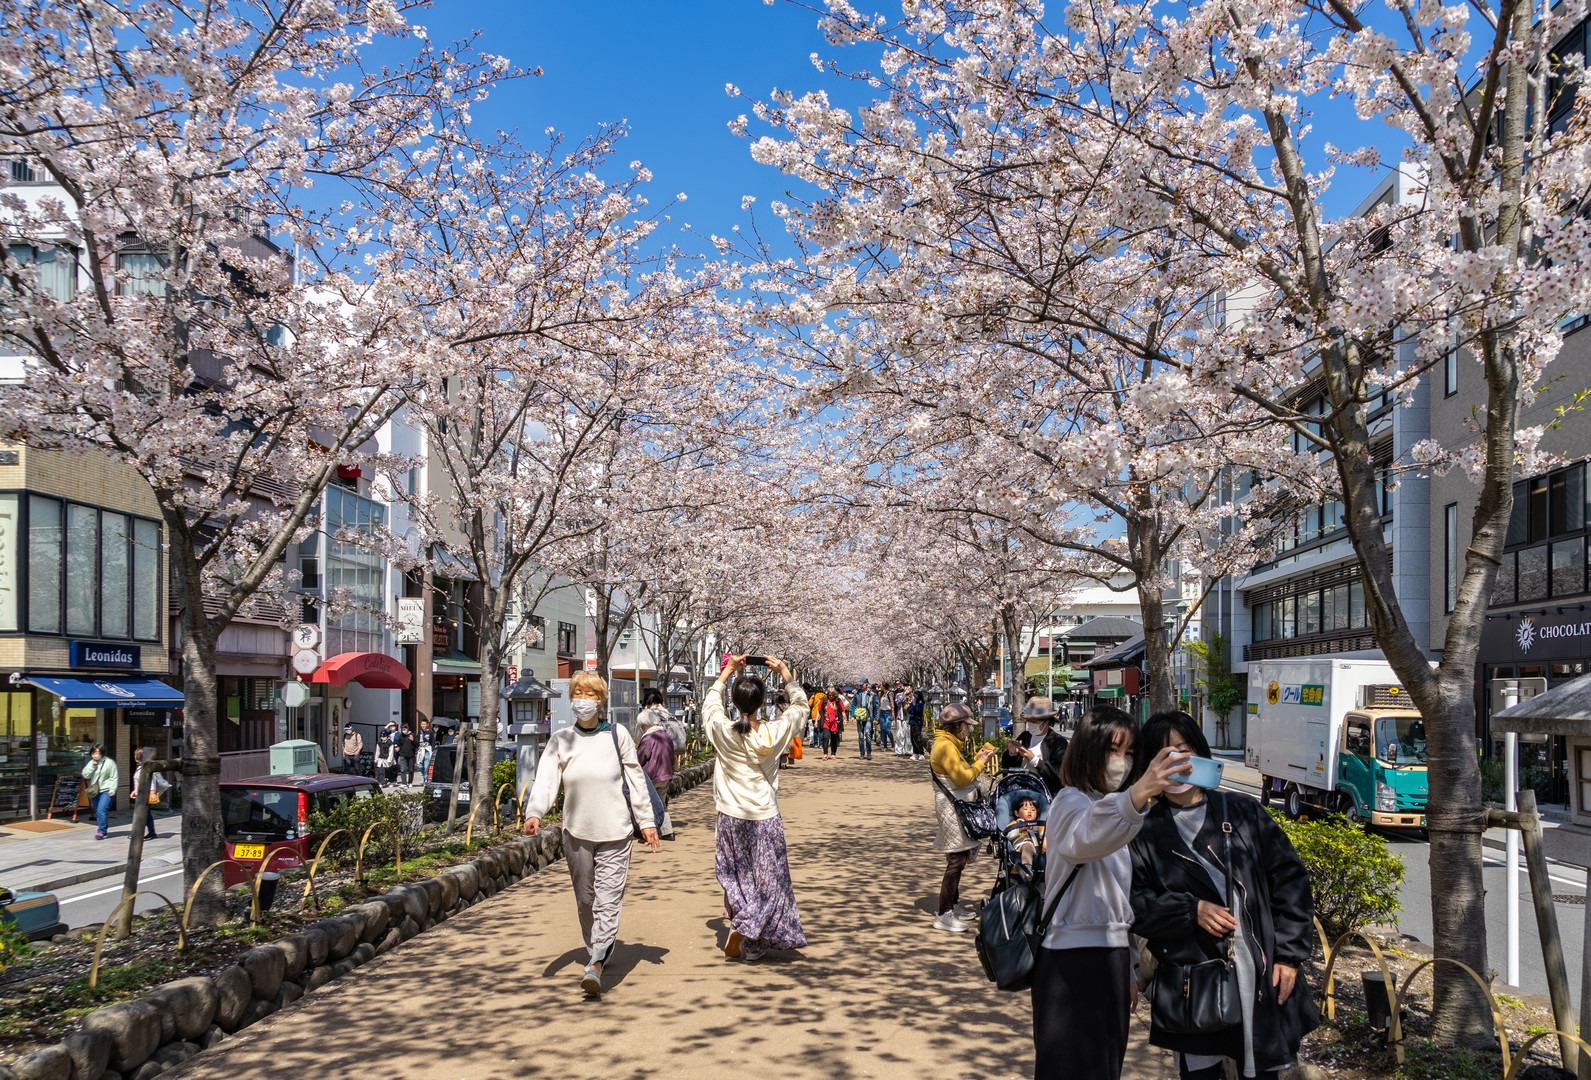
<point>749,848</point>
<point>1083,986</point>
<point>594,762</point>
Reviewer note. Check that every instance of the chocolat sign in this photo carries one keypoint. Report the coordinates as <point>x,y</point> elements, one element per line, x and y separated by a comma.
<point>1534,636</point>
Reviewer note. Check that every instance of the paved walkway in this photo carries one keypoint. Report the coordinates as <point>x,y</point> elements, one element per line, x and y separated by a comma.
<point>52,860</point>
<point>493,992</point>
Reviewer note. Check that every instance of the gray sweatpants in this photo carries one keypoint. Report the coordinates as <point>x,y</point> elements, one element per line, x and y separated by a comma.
<point>599,872</point>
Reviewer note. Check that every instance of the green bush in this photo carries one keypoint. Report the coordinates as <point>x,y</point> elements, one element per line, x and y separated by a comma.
<point>505,772</point>
<point>1492,777</point>
<point>1354,876</point>
<point>403,812</point>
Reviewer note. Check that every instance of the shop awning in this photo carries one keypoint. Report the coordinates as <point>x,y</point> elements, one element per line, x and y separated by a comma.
<point>373,670</point>
<point>1111,691</point>
<point>109,693</point>
<point>454,662</point>
<point>530,688</point>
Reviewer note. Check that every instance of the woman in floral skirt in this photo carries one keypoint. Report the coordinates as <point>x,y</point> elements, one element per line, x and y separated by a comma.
<point>759,899</point>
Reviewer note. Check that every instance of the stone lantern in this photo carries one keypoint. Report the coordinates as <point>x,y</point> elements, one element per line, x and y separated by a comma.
<point>989,710</point>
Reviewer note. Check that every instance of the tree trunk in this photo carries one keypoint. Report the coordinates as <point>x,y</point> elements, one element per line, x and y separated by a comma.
<point>1160,692</point>
<point>483,792</point>
<point>203,834</point>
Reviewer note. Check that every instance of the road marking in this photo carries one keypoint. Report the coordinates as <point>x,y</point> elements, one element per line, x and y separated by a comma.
<point>1551,877</point>
<point>118,888</point>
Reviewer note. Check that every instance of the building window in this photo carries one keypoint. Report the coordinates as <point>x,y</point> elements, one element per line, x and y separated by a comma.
<point>1450,374</point>
<point>102,568</point>
<point>536,634</point>
<point>1450,556</point>
<point>141,274</point>
<point>566,639</point>
<point>354,573</point>
<point>1311,611</point>
<point>55,268</point>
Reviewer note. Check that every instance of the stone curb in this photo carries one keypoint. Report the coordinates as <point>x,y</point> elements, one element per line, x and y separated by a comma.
<point>141,1038</point>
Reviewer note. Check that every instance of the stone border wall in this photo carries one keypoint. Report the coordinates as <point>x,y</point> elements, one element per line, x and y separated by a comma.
<point>143,1037</point>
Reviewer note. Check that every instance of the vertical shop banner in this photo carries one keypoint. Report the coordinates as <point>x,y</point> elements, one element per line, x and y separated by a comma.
<point>411,620</point>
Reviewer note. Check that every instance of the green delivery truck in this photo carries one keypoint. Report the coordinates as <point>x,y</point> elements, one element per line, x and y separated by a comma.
<point>1340,736</point>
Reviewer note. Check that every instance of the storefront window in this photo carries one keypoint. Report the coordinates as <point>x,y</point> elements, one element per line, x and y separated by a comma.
<point>82,568</point>
<point>16,755</point>
<point>44,565</point>
<point>1533,573</point>
<point>1568,567</point>
<point>354,573</point>
<point>114,566</point>
<point>8,562</point>
<point>146,580</point>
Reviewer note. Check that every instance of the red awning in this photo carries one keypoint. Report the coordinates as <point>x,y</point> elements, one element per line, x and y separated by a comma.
<point>374,670</point>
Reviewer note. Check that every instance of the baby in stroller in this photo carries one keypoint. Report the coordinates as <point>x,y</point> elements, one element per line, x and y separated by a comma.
<point>1025,834</point>
<point>1020,808</point>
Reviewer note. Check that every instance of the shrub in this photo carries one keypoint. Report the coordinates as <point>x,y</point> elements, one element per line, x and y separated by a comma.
<point>1354,876</point>
<point>505,772</point>
<point>403,812</point>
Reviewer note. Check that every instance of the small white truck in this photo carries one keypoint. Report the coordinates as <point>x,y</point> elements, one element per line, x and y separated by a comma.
<point>1340,736</point>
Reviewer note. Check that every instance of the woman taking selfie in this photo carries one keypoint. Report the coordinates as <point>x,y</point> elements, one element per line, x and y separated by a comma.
<point>1083,986</point>
<point>594,762</point>
<point>1201,892</point>
<point>749,855</point>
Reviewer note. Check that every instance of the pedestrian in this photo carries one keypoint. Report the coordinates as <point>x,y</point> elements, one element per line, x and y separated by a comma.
<point>158,786</point>
<point>1039,747</point>
<point>864,726</point>
<point>353,743</point>
<point>425,750</point>
<point>386,762</point>
<point>792,754</point>
<point>594,761</point>
<point>406,756</point>
<point>884,716</point>
<point>954,778</point>
<point>656,754</point>
<point>816,727</point>
<point>1213,875</point>
<point>99,784</point>
<point>749,844</point>
<point>897,707</point>
<point>831,725</point>
<point>1083,985</point>
<point>914,723</point>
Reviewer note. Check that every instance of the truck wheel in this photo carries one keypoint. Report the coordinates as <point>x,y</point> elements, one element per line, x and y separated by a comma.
<point>1350,809</point>
<point>1293,802</point>
<point>1265,791</point>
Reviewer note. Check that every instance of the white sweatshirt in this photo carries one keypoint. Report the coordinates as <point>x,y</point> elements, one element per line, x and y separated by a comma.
<point>585,763</point>
<point>746,776</point>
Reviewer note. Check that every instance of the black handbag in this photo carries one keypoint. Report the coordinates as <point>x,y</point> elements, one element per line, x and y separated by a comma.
<point>1202,998</point>
<point>977,819</point>
<point>1010,933</point>
<point>651,791</point>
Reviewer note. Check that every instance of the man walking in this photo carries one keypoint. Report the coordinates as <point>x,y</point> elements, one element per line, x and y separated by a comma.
<point>864,726</point>
<point>914,720</point>
<point>353,743</point>
<point>406,750</point>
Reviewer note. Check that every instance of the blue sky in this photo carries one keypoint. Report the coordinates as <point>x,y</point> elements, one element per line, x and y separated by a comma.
<point>661,66</point>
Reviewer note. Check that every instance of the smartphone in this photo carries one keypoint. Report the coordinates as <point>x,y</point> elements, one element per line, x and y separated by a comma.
<point>1206,772</point>
<point>756,661</point>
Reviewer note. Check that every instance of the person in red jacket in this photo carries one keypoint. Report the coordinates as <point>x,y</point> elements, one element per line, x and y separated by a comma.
<point>833,722</point>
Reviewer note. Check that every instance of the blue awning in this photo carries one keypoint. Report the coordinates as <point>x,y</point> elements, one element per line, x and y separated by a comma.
<point>109,693</point>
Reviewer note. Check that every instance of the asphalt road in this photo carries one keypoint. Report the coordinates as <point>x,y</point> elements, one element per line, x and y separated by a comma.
<point>1568,888</point>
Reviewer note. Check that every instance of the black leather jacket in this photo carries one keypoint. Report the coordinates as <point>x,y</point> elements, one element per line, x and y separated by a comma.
<point>1048,767</point>
<point>1271,888</point>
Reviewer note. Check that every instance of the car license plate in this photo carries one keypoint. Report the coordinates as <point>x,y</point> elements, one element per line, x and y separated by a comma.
<point>248,851</point>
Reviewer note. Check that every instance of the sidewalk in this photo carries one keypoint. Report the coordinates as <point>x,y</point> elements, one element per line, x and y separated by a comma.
<point>46,861</point>
<point>876,993</point>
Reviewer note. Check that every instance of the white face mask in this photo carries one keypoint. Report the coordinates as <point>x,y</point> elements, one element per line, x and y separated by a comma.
<point>585,708</point>
<point>1035,730</point>
<point>1116,770</point>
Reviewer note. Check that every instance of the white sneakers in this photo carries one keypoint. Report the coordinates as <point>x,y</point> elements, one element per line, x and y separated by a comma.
<point>964,912</point>
<point>948,921</point>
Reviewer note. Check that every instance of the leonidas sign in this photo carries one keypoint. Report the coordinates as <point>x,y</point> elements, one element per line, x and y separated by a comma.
<point>1526,636</point>
<point>102,654</point>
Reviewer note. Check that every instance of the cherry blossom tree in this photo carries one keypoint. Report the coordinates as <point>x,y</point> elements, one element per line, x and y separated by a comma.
<point>1113,173</point>
<point>178,306</point>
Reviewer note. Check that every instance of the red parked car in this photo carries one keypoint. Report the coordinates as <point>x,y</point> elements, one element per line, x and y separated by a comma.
<point>270,813</point>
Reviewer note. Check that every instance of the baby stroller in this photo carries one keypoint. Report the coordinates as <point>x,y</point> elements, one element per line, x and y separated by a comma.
<point>1008,791</point>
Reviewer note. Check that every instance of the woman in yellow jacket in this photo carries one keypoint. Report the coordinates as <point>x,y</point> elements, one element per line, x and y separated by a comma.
<point>953,772</point>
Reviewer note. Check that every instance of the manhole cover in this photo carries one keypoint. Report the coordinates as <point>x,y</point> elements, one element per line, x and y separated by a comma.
<point>1568,898</point>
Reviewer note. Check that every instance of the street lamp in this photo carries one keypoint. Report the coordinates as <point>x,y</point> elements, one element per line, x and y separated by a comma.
<point>989,709</point>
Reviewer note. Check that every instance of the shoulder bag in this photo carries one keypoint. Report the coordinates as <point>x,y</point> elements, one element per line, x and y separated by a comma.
<point>1010,933</point>
<point>977,819</point>
<point>1202,998</point>
<point>657,803</point>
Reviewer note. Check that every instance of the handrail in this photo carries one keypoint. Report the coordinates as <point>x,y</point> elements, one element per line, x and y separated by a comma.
<point>99,939</point>
<point>397,849</point>
<point>1524,1050</point>
<point>309,886</point>
<point>1328,990</point>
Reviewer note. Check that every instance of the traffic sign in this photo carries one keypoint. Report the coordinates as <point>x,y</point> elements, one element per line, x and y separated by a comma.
<point>306,636</point>
<point>305,661</point>
<point>294,694</point>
